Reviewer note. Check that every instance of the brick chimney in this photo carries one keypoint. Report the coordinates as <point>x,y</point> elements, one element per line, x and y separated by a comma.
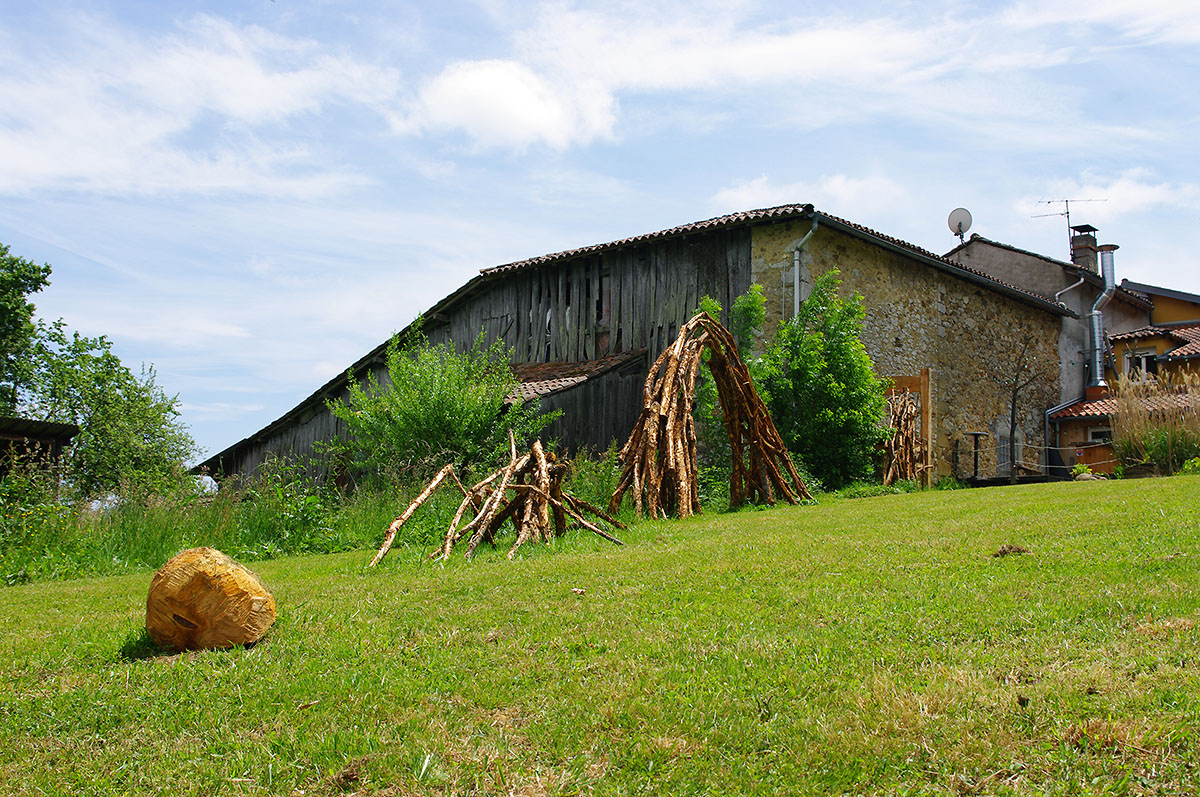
<point>1083,247</point>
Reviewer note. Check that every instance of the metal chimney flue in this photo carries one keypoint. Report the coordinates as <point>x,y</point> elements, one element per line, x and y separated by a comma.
<point>1096,381</point>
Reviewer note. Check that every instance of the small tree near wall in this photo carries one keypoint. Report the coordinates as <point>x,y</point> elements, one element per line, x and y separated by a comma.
<point>827,401</point>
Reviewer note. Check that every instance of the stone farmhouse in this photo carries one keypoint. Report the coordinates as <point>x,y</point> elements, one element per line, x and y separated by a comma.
<point>583,326</point>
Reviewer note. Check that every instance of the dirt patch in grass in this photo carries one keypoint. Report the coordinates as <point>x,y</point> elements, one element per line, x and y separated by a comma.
<point>350,775</point>
<point>1166,626</point>
<point>1007,549</point>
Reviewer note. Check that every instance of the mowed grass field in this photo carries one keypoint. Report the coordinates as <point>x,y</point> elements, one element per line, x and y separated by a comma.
<point>865,646</point>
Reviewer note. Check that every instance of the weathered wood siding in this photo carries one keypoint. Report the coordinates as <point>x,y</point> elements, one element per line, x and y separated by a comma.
<point>588,307</point>
<point>583,308</point>
<point>599,412</point>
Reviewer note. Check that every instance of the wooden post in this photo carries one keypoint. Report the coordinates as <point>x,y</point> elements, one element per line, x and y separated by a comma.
<point>927,427</point>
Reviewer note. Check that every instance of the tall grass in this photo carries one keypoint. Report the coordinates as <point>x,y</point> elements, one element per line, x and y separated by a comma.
<point>44,534</point>
<point>1158,421</point>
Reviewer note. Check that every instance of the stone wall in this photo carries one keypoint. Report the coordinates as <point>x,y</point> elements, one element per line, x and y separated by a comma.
<point>918,317</point>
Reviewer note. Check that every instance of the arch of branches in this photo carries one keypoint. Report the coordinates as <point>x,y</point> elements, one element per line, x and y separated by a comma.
<point>659,459</point>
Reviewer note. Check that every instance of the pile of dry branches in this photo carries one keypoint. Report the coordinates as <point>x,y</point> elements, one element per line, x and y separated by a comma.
<point>528,491</point>
<point>660,455</point>
<point>904,453</point>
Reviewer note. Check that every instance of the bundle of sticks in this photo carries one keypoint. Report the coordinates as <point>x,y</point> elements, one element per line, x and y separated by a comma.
<point>903,453</point>
<point>528,491</point>
<point>659,458</point>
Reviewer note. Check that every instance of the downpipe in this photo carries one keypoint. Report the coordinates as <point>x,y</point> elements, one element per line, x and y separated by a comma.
<point>1096,318</point>
<point>796,268</point>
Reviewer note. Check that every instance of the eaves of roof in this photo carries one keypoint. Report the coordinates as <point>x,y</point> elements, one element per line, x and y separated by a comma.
<point>1075,271</point>
<point>1154,290</point>
<point>26,429</point>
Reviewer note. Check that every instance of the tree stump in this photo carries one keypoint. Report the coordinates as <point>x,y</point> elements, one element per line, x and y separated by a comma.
<point>202,599</point>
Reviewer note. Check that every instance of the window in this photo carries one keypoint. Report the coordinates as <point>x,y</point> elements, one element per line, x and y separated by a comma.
<point>1099,434</point>
<point>1141,364</point>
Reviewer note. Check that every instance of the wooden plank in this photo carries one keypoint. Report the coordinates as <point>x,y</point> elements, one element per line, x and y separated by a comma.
<point>538,347</point>
<point>574,347</point>
<point>560,312</point>
<point>613,266</point>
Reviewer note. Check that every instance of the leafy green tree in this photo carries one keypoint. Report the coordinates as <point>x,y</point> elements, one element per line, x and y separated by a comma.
<point>130,436</point>
<point>438,406</point>
<point>19,278</point>
<point>822,390</point>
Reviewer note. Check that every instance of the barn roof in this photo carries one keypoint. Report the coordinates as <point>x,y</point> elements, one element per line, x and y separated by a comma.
<point>26,429</point>
<point>787,213</point>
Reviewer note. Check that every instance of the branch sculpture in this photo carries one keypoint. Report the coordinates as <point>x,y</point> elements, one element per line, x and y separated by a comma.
<point>903,453</point>
<point>538,506</point>
<point>660,455</point>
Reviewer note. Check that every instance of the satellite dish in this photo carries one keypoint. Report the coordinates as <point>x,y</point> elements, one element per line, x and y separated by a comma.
<point>959,222</point>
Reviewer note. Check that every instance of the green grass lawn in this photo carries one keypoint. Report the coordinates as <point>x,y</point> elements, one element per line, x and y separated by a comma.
<point>872,645</point>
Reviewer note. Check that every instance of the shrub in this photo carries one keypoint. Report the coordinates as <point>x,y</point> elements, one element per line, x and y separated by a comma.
<point>822,389</point>
<point>438,406</point>
<point>1158,421</point>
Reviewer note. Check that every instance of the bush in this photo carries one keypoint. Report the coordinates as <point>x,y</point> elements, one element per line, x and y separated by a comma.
<point>438,406</point>
<point>1158,421</point>
<point>822,389</point>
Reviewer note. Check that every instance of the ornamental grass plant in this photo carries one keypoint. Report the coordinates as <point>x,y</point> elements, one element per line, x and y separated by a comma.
<point>1158,421</point>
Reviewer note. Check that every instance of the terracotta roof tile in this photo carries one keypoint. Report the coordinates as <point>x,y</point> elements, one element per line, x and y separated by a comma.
<point>1191,346</point>
<point>1135,334</point>
<point>542,379</point>
<point>1106,407</point>
<point>1187,336</point>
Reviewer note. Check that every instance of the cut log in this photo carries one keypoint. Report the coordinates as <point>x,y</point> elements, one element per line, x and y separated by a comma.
<point>202,599</point>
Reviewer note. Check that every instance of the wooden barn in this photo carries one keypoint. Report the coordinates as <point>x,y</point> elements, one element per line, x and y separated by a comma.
<point>583,325</point>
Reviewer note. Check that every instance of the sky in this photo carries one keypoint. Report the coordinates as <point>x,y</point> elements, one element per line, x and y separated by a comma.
<point>251,195</point>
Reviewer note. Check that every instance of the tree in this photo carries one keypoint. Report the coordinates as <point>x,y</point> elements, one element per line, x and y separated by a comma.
<point>823,393</point>
<point>1024,371</point>
<point>19,278</point>
<point>439,406</point>
<point>130,435</point>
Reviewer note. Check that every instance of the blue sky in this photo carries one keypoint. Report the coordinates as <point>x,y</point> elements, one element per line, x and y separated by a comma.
<point>250,195</point>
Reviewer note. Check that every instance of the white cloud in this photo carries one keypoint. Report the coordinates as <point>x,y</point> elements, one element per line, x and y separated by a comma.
<point>1165,21</point>
<point>502,103</point>
<point>839,194</point>
<point>569,73</point>
<point>198,110</point>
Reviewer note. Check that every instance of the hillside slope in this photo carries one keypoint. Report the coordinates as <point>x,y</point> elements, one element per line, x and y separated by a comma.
<point>868,645</point>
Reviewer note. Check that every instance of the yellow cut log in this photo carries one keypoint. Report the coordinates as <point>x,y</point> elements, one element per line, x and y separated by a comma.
<point>202,599</point>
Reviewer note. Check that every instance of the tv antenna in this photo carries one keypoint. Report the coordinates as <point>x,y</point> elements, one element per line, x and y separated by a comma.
<point>959,222</point>
<point>1066,211</point>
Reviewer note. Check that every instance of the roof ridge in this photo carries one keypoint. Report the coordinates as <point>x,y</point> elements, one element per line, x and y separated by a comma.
<point>776,212</point>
